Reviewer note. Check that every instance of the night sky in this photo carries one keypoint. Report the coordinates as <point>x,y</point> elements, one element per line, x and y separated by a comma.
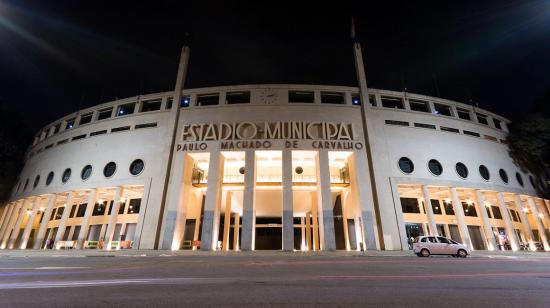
<point>60,56</point>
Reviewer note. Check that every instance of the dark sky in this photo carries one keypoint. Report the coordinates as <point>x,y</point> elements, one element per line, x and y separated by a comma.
<point>60,56</point>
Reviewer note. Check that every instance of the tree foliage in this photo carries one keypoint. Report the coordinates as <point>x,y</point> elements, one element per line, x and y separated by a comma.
<point>14,139</point>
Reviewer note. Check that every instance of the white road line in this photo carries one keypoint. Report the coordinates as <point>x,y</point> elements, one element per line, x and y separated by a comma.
<point>60,267</point>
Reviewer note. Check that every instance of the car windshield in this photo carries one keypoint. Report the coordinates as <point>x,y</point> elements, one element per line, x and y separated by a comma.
<point>453,242</point>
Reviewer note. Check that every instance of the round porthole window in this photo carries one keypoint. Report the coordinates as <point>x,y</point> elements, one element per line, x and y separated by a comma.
<point>461,170</point>
<point>503,176</point>
<point>406,165</point>
<point>532,181</point>
<point>86,172</point>
<point>435,167</point>
<point>484,172</point>
<point>109,169</point>
<point>66,175</point>
<point>299,170</point>
<point>519,179</point>
<point>49,179</point>
<point>241,170</point>
<point>136,167</point>
<point>36,181</point>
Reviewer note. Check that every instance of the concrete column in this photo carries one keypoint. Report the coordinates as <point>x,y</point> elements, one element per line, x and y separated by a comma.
<point>226,222</point>
<point>487,228</point>
<point>30,223</point>
<point>315,221</point>
<point>308,231</point>
<point>236,227</point>
<point>63,222</point>
<point>211,218</point>
<point>248,228</point>
<point>326,215</point>
<point>9,212</point>
<point>92,197</point>
<point>525,223</point>
<point>5,211</point>
<point>543,210</point>
<point>119,192</point>
<point>288,210</point>
<point>343,200</point>
<point>429,210</point>
<point>363,194</point>
<point>459,214</point>
<point>45,219</point>
<point>17,226</point>
<point>175,211</point>
<point>145,242</point>
<point>510,232</point>
<point>399,214</point>
<point>303,228</point>
<point>540,226</point>
<point>15,213</point>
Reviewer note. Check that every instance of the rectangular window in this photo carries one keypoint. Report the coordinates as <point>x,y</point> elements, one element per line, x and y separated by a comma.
<point>441,109</point>
<point>85,118</point>
<point>489,212</point>
<point>79,137</point>
<point>56,128</point>
<point>469,133</point>
<point>147,106</point>
<point>169,103</point>
<point>436,207</point>
<point>59,213</point>
<point>208,99</point>
<point>62,141</point>
<point>513,215</point>
<point>469,210</point>
<point>419,105</point>
<point>70,123</point>
<point>410,205</point>
<point>48,146</point>
<point>496,212</point>
<point>449,210</point>
<point>497,123</point>
<point>356,99</point>
<point>125,109</point>
<point>301,97</point>
<point>422,125</point>
<point>463,114</point>
<point>237,97</point>
<point>52,217</point>
<point>392,102</point>
<point>482,119</point>
<point>185,101</point>
<point>104,113</point>
<point>332,98</point>
<point>398,123</point>
<point>110,207</point>
<point>133,206</point>
<point>449,129</point>
<point>99,209</point>
<point>121,208</point>
<point>372,100</point>
<point>73,210</point>
<point>146,125</point>
<point>120,129</point>
<point>99,132</point>
<point>81,210</point>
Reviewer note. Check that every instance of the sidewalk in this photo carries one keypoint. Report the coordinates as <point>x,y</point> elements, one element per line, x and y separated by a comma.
<point>29,253</point>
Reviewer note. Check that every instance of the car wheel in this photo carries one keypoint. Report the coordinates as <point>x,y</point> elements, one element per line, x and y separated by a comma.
<point>425,253</point>
<point>461,253</point>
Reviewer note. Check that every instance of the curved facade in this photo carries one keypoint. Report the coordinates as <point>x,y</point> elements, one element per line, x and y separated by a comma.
<point>273,167</point>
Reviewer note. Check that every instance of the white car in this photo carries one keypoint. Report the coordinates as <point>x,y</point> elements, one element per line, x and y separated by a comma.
<point>424,246</point>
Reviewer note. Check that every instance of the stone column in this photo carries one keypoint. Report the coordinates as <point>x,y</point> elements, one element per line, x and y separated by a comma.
<point>17,226</point>
<point>5,211</point>
<point>248,228</point>
<point>119,192</point>
<point>226,222</point>
<point>63,222</point>
<point>84,226</point>
<point>45,219</point>
<point>510,232</point>
<point>540,226</point>
<point>15,213</point>
<point>315,221</point>
<point>30,223</point>
<point>9,212</point>
<point>326,215</point>
<point>343,200</point>
<point>543,210</point>
<point>211,218</point>
<point>308,231</point>
<point>525,223</point>
<point>179,188</point>
<point>236,227</point>
<point>487,228</point>
<point>429,210</point>
<point>146,242</point>
<point>459,214</point>
<point>288,210</point>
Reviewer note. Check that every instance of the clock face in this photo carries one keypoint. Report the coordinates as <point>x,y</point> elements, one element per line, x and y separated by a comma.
<point>268,96</point>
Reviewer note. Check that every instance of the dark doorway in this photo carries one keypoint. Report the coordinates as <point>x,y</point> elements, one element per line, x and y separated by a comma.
<point>339,235</point>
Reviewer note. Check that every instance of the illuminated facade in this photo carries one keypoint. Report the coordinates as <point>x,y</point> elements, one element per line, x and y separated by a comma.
<point>291,167</point>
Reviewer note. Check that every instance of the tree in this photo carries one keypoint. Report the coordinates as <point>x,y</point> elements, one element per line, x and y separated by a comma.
<point>14,139</point>
<point>529,142</point>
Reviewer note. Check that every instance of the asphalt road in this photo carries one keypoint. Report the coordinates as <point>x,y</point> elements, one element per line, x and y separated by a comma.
<point>274,280</point>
